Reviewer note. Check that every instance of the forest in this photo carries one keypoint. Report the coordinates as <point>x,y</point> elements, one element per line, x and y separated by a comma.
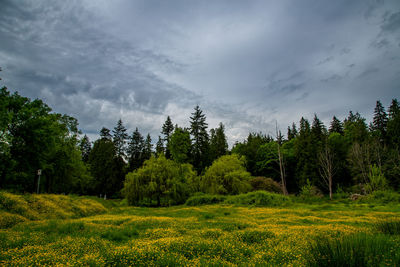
<point>346,156</point>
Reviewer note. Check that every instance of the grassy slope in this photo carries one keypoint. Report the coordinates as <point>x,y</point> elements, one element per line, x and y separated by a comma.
<point>215,234</point>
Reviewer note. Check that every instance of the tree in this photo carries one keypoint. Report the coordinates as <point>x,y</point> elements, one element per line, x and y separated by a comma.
<point>281,163</point>
<point>198,130</point>
<point>336,126</point>
<point>379,124</point>
<point>227,175</point>
<point>180,145</point>
<point>292,132</point>
<point>167,130</point>
<point>147,148</point>
<point>159,146</point>
<point>393,125</point>
<point>249,149</point>
<point>85,147</point>
<point>159,182</point>
<point>218,142</point>
<point>135,150</point>
<point>355,129</point>
<point>119,137</point>
<point>101,160</point>
<point>105,134</point>
<point>327,167</point>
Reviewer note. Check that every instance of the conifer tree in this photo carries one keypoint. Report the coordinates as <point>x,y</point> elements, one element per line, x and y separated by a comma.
<point>336,126</point>
<point>167,130</point>
<point>135,150</point>
<point>159,146</point>
<point>198,130</point>
<point>180,145</point>
<point>147,148</point>
<point>218,142</point>
<point>120,136</point>
<point>393,125</point>
<point>379,123</point>
<point>105,134</point>
<point>292,132</point>
<point>85,147</point>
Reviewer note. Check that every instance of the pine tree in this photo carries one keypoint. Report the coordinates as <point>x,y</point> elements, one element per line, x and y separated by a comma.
<point>379,123</point>
<point>135,150</point>
<point>218,142</point>
<point>167,130</point>
<point>105,134</point>
<point>85,147</point>
<point>198,130</point>
<point>336,126</point>
<point>393,125</point>
<point>119,138</point>
<point>292,132</point>
<point>159,146</point>
<point>147,148</point>
<point>318,129</point>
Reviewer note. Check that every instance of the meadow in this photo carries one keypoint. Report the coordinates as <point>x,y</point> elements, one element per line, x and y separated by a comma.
<point>38,230</point>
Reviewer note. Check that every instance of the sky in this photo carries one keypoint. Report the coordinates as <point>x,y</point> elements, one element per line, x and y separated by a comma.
<point>247,64</point>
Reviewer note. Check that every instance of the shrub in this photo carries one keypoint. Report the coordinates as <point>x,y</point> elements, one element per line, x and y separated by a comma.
<point>267,184</point>
<point>377,180</point>
<point>383,197</point>
<point>227,175</point>
<point>310,192</point>
<point>259,198</point>
<point>204,199</point>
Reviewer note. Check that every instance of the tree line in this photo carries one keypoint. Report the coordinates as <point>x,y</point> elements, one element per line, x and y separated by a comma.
<point>347,155</point>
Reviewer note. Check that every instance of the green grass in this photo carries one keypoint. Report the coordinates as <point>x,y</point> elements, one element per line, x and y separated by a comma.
<point>259,234</point>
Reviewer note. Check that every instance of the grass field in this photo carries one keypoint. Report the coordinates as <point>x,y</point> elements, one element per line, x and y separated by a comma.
<point>299,235</point>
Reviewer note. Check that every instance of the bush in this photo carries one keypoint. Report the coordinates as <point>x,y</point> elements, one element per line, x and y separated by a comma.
<point>377,180</point>
<point>383,197</point>
<point>310,192</point>
<point>204,199</point>
<point>267,184</point>
<point>259,198</point>
<point>354,250</point>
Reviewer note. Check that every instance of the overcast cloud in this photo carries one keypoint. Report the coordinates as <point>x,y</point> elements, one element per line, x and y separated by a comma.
<point>246,63</point>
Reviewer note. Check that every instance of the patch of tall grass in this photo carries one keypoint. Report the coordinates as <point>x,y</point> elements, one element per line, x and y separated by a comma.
<point>358,249</point>
<point>259,198</point>
<point>390,227</point>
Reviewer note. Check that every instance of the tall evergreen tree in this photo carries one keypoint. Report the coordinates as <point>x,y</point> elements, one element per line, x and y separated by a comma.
<point>336,126</point>
<point>159,146</point>
<point>147,148</point>
<point>120,136</point>
<point>167,130</point>
<point>105,134</point>
<point>85,147</point>
<point>354,128</point>
<point>318,130</point>
<point>218,142</point>
<point>393,125</point>
<point>379,123</point>
<point>198,130</point>
<point>292,132</point>
<point>135,150</point>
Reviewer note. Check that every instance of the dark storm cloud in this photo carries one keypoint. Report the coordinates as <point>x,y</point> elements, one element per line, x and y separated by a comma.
<point>246,63</point>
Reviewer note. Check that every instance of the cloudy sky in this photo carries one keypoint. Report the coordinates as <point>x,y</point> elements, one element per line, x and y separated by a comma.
<point>246,63</point>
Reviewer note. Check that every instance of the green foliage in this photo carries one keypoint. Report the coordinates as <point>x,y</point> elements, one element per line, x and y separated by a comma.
<point>390,227</point>
<point>200,140</point>
<point>119,138</point>
<point>227,175</point>
<point>377,180</point>
<point>120,234</point>
<point>259,198</point>
<point>204,199</point>
<point>267,184</point>
<point>383,197</point>
<point>254,236</point>
<point>160,181</point>
<point>354,250</point>
<point>167,130</point>
<point>180,145</point>
<point>218,142</point>
<point>309,191</point>
<point>135,150</point>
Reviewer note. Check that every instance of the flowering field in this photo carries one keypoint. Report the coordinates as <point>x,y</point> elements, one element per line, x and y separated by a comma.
<point>191,236</point>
